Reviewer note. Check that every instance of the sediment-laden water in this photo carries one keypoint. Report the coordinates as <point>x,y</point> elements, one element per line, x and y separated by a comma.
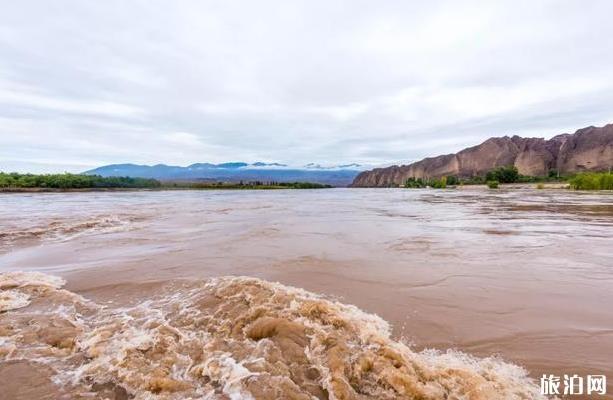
<point>131,295</point>
<point>237,338</point>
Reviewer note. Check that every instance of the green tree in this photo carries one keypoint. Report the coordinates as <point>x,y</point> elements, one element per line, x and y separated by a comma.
<point>508,174</point>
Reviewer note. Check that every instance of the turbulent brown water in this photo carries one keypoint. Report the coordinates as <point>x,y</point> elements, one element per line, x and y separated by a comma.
<point>519,280</point>
<point>237,338</point>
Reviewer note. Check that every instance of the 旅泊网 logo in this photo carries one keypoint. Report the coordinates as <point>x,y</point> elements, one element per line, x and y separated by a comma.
<point>573,385</point>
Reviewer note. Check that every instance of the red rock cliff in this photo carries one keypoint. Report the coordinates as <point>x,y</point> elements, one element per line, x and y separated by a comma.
<point>588,149</point>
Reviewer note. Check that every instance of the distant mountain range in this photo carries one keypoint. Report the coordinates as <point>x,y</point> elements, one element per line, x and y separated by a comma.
<point>337,175</point>
<point>588,149</point>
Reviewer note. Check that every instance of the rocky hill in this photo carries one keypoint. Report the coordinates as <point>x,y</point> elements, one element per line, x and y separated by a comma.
<point>588,149</point>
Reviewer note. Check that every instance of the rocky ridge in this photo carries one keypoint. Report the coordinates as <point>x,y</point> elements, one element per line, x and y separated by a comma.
<point>588,149</point>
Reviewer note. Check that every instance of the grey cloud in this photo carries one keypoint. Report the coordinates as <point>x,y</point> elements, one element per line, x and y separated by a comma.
<point>86,83</point>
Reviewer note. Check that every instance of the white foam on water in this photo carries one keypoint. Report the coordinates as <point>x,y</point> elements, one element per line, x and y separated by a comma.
<point>13,299</point>
<point>62,230</point>
<point>21,279</point>
<point>227,371</point>
<point>237,338</point>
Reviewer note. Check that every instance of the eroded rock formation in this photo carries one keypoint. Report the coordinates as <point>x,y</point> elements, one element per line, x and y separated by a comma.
<point>588,149</point>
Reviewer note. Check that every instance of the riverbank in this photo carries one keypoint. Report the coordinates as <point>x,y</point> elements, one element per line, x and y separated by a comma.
<point>15,182</point>
<point>70,190</point>
<point>519,186</point>
<point>171,187</point>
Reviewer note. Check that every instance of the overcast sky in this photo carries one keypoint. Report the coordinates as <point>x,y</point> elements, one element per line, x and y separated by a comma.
<point>86,83</point>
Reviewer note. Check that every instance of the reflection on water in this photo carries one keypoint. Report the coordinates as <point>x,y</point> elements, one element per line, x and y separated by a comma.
<point>524,274</point>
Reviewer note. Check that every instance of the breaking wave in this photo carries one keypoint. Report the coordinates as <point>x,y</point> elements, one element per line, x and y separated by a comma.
<point>64,229</point>
<point>12,287</point>
<point>231,338</point>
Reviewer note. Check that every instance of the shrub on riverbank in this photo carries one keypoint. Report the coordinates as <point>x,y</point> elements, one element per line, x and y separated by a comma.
<point>16,181</point>
<point>303,185</point>
<point>492,184</point>
<point>592,181</point>
<point>72,181</point>
<point>452,180</point>
<point>413,183</point>
<point>242,185</point>
<point>508,174</point>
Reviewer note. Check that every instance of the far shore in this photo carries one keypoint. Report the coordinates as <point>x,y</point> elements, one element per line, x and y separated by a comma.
<point>513,186</point>
<point>160,189</point>
<point>56,190</point>
<point>551,185</point>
